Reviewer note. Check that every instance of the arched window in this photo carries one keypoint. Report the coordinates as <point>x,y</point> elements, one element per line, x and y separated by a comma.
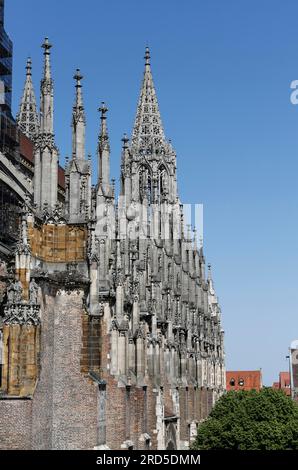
<point>232,382</point>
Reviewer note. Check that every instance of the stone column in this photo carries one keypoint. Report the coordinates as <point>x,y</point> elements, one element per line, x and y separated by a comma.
<point>140,360</point>
<point>122,353</point>
<point>114,351</point>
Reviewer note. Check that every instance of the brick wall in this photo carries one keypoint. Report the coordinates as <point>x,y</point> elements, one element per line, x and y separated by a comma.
<point>63,412</point>
<point>65,402</point>
<point>15,424</point>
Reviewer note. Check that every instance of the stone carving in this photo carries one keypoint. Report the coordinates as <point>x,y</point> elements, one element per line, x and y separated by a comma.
<point>21,315</point>
<point>14,292</point>
<point>33,292</point>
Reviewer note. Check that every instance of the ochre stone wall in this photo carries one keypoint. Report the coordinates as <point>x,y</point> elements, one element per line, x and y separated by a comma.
<point>58,243</point>
<point>20,359</point>
<point>22,275</point>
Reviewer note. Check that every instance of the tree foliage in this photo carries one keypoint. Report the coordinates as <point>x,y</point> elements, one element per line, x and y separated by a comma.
<point>251,420</point>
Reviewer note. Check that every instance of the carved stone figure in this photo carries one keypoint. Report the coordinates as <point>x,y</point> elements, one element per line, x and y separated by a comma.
<point>33,292</point>
<point>14,292</point>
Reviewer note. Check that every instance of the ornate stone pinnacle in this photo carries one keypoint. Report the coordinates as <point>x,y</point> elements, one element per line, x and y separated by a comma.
<point>209,271</point>
<point>78,77</point>
<point>29,66</point>
<point>103,110</point>
<point>147,56</point>
<point>27,118</point>
<point>125,140</point>
<point>148,130</point>
<point>46,46</point>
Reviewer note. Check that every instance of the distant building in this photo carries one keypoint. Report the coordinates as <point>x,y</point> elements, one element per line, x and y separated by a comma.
<point>284,383</point>
<point>244,380</point>
<point>294,368</point>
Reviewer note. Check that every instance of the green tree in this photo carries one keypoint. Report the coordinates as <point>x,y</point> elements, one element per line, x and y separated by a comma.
<point>265,420</point>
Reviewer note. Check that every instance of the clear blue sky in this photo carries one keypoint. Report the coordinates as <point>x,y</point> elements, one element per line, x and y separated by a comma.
<point>222,70</point>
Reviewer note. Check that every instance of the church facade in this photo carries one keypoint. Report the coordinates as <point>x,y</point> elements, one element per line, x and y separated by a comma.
<point>110,327</point>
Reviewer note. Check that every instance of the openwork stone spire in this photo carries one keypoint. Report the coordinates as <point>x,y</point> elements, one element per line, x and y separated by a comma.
<point>27,118</point>
<point>148,130</point>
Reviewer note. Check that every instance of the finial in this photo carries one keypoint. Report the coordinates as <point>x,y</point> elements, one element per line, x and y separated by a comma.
<point>209,271</point>
<point>46,46</point>
<point>201,242</point>
<point>113,186</point>
<point>125,140</point>
<point>194,230</point>
<point>188,231</point>
<point>103,110</point>
<point>29,66</point>
<point>78,77</point>
<point>147,56</point>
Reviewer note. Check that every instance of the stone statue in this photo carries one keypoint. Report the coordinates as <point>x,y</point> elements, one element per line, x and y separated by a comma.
<point>10,293</point>
<point>14,292</point>
<point>33,292</point>
<point>18,291</point>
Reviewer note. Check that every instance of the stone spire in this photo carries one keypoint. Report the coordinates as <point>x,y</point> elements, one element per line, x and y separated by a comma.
<point>104,151</point>
<point>209,273</point>
<point>78,171</point>
<point>27,118</point>
<point>78,121</point>
<point>46,152</point>
<point>148,129</point>
<point>46,101</point>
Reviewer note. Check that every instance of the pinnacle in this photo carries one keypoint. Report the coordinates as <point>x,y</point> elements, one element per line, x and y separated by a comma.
<point>27,118</point>
<point>148,129</point>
